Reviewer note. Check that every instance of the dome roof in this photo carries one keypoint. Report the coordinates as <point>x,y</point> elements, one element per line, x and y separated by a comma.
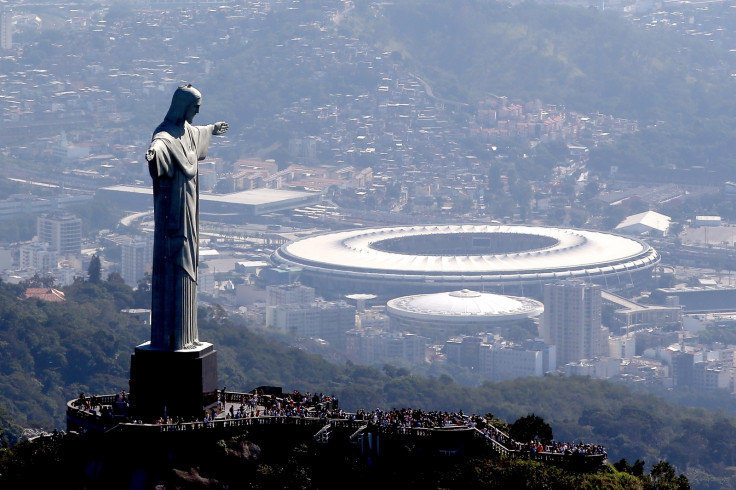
<point>464,306</point>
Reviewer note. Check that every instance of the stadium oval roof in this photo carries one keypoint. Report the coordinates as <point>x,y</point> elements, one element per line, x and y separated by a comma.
<point>458,256</point>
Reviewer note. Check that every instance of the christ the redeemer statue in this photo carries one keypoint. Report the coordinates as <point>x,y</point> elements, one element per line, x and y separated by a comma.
<point>175,374</point>
<point>173,156</point>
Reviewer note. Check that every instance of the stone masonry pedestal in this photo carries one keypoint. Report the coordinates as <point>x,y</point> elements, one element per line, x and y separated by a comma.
<point>180,383</point>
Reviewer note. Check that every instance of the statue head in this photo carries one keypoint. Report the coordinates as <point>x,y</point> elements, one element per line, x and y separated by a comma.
<point>184,105</point>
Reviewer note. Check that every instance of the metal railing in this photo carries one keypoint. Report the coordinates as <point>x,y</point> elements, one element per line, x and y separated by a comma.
<point>323,435</point>
<point>324,428</point>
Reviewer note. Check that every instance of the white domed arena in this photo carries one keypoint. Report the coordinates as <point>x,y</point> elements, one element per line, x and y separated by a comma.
<point>464,311</point>
<point>506,259</point>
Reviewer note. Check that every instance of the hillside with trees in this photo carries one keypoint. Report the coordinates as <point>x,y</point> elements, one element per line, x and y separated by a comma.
<point>54,351</point>
<point>678,87</point>
<point>587,60</point>
<point>255,462</point>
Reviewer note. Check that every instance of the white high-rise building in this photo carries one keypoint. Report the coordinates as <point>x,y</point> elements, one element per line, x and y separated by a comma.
<point>6,30</point>
<point>63,233</point>
<point>36,255</point>
<point>289,294</point>
<point>137,255</point>
<point>370,345</point>
<point>501,363</point>
<point>572,320</point>
<point>327,320</point>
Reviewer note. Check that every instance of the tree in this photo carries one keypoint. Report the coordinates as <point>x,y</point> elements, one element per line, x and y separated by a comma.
<point>94,270</point>
<point>115,277</point>
<point>142,294</point>
<point>676,227</point>
<point>39,281</point>
<point>529,428</point>
<point>495,184</point>
<point>663,477</point>
<point>556,215</point>
<point>666,280</point>
<point>637,469</point>
<point>590,190</point>
<point>10,432</point>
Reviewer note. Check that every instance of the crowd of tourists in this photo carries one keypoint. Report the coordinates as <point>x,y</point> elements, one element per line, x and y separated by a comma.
<point>410,418</point>
<point>563,448</point>
<point>296,404</point>
<point>257,403</point>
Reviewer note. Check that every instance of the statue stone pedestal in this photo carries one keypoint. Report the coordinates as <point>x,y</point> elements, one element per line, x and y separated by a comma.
<point>179,383</point>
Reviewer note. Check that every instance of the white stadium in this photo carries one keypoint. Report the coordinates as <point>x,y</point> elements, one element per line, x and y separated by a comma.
<point>445,314</point>
<point>430,258</point>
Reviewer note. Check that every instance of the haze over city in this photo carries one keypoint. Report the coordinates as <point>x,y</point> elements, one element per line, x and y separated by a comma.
<point>528,207</point>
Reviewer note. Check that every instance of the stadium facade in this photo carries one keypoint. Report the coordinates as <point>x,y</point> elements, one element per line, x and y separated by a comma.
<point>507,259</point>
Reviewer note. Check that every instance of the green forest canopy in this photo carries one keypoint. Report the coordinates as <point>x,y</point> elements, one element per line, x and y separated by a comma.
<point>53,351</point>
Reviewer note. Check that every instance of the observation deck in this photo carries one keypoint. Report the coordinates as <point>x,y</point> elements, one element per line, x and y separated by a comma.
<point>322,422</point>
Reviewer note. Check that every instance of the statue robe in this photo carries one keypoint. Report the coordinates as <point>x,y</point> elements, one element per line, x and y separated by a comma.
<point>176,235</point>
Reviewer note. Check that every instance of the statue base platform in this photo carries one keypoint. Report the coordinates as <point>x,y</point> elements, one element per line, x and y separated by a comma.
<point>180,383</point>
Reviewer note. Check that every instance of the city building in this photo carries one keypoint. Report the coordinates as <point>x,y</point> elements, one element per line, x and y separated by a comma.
<point>464,350</point>
<point>630,316</point>
<point>50,295</point>
<point>496,359</point>
<point>16,205</point>
<point>654,338</point>
<point>701,299</point>
<point>63,233</point>
<point>137,256</point>
<point>572,320</point>
<point>372,345</point>
<point>622,347</point>
<point>66,273</point>
<point>143,315</point>
<point>643,369</point>
<point>235,207</point>
<point>681,359</point>
<point>325,320</point>
<point>510,361</point>
<point>36,255</point>
<point>707,221</point>
<point>372,318</point>
<point>6,258</point>
<point>6,30</point>
<point>598,367</point>
<point>206,284</point>
<point>287,294</point>
<point>711,376</point>
<point>274,276</point>
<point>648,222</point>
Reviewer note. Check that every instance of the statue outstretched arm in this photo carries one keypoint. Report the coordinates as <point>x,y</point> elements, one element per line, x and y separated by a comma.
<point>220,128</point>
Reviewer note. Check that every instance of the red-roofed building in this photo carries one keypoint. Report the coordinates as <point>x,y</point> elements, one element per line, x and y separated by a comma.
<point>46,294</point>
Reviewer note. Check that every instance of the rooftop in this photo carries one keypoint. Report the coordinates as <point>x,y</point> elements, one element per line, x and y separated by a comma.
<point>466,306</point>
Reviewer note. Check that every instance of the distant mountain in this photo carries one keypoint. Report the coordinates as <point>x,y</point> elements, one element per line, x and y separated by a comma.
<point>678,87</point>
<point>588,60</point>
